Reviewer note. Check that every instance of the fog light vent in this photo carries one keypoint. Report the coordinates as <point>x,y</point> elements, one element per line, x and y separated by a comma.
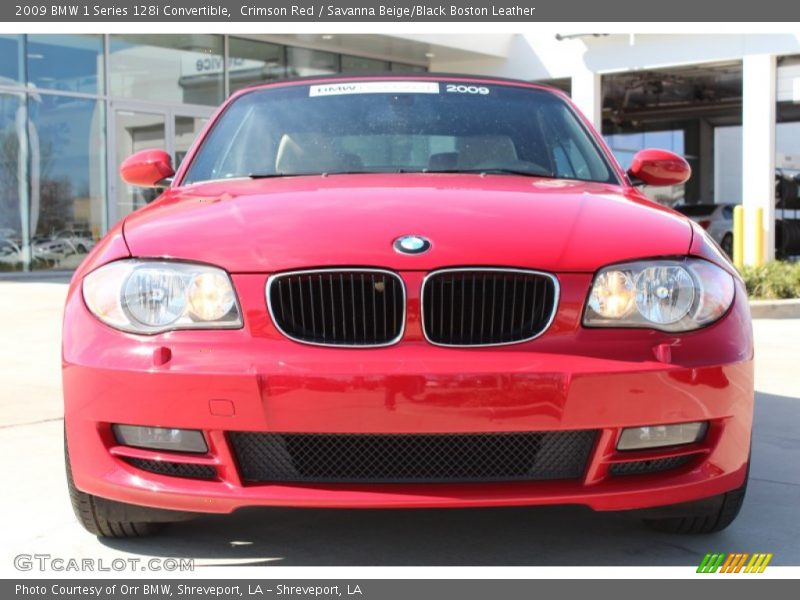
<point>161,438</point>
<point>641,467</point>
<point>659,436</point>
<point>173,469</point>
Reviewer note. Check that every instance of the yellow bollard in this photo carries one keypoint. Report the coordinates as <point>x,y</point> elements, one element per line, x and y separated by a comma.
<point>738,236</point>
<point>759,237</point>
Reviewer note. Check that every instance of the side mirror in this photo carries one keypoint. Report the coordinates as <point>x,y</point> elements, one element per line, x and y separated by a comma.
<point>147,168</point>
<point>659,167</point>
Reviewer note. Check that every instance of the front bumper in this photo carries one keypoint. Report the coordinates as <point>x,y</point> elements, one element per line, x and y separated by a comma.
<point>254,379</point>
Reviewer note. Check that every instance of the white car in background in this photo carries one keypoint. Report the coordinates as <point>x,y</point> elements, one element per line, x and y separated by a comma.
<point>10,252</point>
<point>77,241</point>
<point>716,219</point>
<point>48,249</point>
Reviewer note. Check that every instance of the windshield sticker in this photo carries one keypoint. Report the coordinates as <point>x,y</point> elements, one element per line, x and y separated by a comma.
<point>453,88</point>
<point>374,87</point>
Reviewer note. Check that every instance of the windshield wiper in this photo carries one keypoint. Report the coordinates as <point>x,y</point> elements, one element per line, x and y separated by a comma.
<point>271,175</point>
<point>327,173</point>
<point>496,170</point>
<point>487,171</point>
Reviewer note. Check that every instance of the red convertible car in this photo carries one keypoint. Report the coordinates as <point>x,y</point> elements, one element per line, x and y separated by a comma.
<point>398,292</point>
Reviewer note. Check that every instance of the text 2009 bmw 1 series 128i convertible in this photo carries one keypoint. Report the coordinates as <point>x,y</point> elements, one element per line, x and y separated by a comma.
<point>398,292</point>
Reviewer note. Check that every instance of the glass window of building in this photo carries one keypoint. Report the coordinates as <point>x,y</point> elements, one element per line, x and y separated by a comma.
<point>13,182</point>
<point>404,68</point>
<point>352,64</point>
<point>174,69</point>
<point>251,62</point>
<point>71,63</point>
<point>11,57</point>
<point>186,130</point>
<point>67,183</point>
<point>135,131</point>
<point>304,62</point>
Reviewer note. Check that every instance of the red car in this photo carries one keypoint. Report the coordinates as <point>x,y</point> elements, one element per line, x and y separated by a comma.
<point>398,292</point>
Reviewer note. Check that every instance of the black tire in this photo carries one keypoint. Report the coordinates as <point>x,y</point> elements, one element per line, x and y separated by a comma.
<point>709,516</point>
<point>727,244</point>
<point>91,512</point>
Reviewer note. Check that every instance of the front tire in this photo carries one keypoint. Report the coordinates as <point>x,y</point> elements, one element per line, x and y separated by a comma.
<point>112,519</point>
<point>699,519</point>
<point>91,518</point>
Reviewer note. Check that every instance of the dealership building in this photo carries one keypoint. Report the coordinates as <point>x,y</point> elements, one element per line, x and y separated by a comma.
<point>72,107</point>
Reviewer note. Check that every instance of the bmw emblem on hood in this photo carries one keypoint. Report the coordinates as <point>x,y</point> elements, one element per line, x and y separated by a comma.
<point>412,244</point>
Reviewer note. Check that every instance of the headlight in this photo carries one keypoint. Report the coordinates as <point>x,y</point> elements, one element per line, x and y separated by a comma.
<point>154,296</point>
<point>670,295</point>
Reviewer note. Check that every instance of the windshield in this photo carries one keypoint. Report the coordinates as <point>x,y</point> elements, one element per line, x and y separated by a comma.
<point>399,127</point>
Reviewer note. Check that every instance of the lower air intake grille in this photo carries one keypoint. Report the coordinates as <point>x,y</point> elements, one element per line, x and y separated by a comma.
<point>640,467</point>
<point>173,469</point>
<point>484,307</point>
<point>411,458</point>
<point>335,307</point>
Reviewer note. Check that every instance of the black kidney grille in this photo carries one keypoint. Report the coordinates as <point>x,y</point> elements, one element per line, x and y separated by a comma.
<point>477,307</point>
<point>174,469</point>
<point>640,467</point>
<point>351,307</point>
<point>411,458</point>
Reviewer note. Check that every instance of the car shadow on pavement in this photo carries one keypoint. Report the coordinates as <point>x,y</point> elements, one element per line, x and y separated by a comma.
<point>473,536</point>
<point>562,535</point>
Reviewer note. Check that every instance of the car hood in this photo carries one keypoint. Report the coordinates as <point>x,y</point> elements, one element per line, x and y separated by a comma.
<point>285,223</point>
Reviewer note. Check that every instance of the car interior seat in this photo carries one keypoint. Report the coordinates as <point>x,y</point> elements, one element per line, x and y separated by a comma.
<point>443,161</point>
<point>479,151</point>
<point>312,153</point>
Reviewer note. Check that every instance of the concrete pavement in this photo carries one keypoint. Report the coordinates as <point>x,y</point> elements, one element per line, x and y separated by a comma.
<point>30,352</point>
<point>39,518</point>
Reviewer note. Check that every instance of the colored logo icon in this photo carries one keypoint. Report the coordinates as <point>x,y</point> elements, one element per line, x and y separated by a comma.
<point>734,562</point>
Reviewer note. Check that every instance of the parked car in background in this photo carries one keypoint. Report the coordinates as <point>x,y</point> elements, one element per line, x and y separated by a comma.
<point>48,249</point>
<point>716,219</point>
<point>10,254</point>
<point>76,241</point>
